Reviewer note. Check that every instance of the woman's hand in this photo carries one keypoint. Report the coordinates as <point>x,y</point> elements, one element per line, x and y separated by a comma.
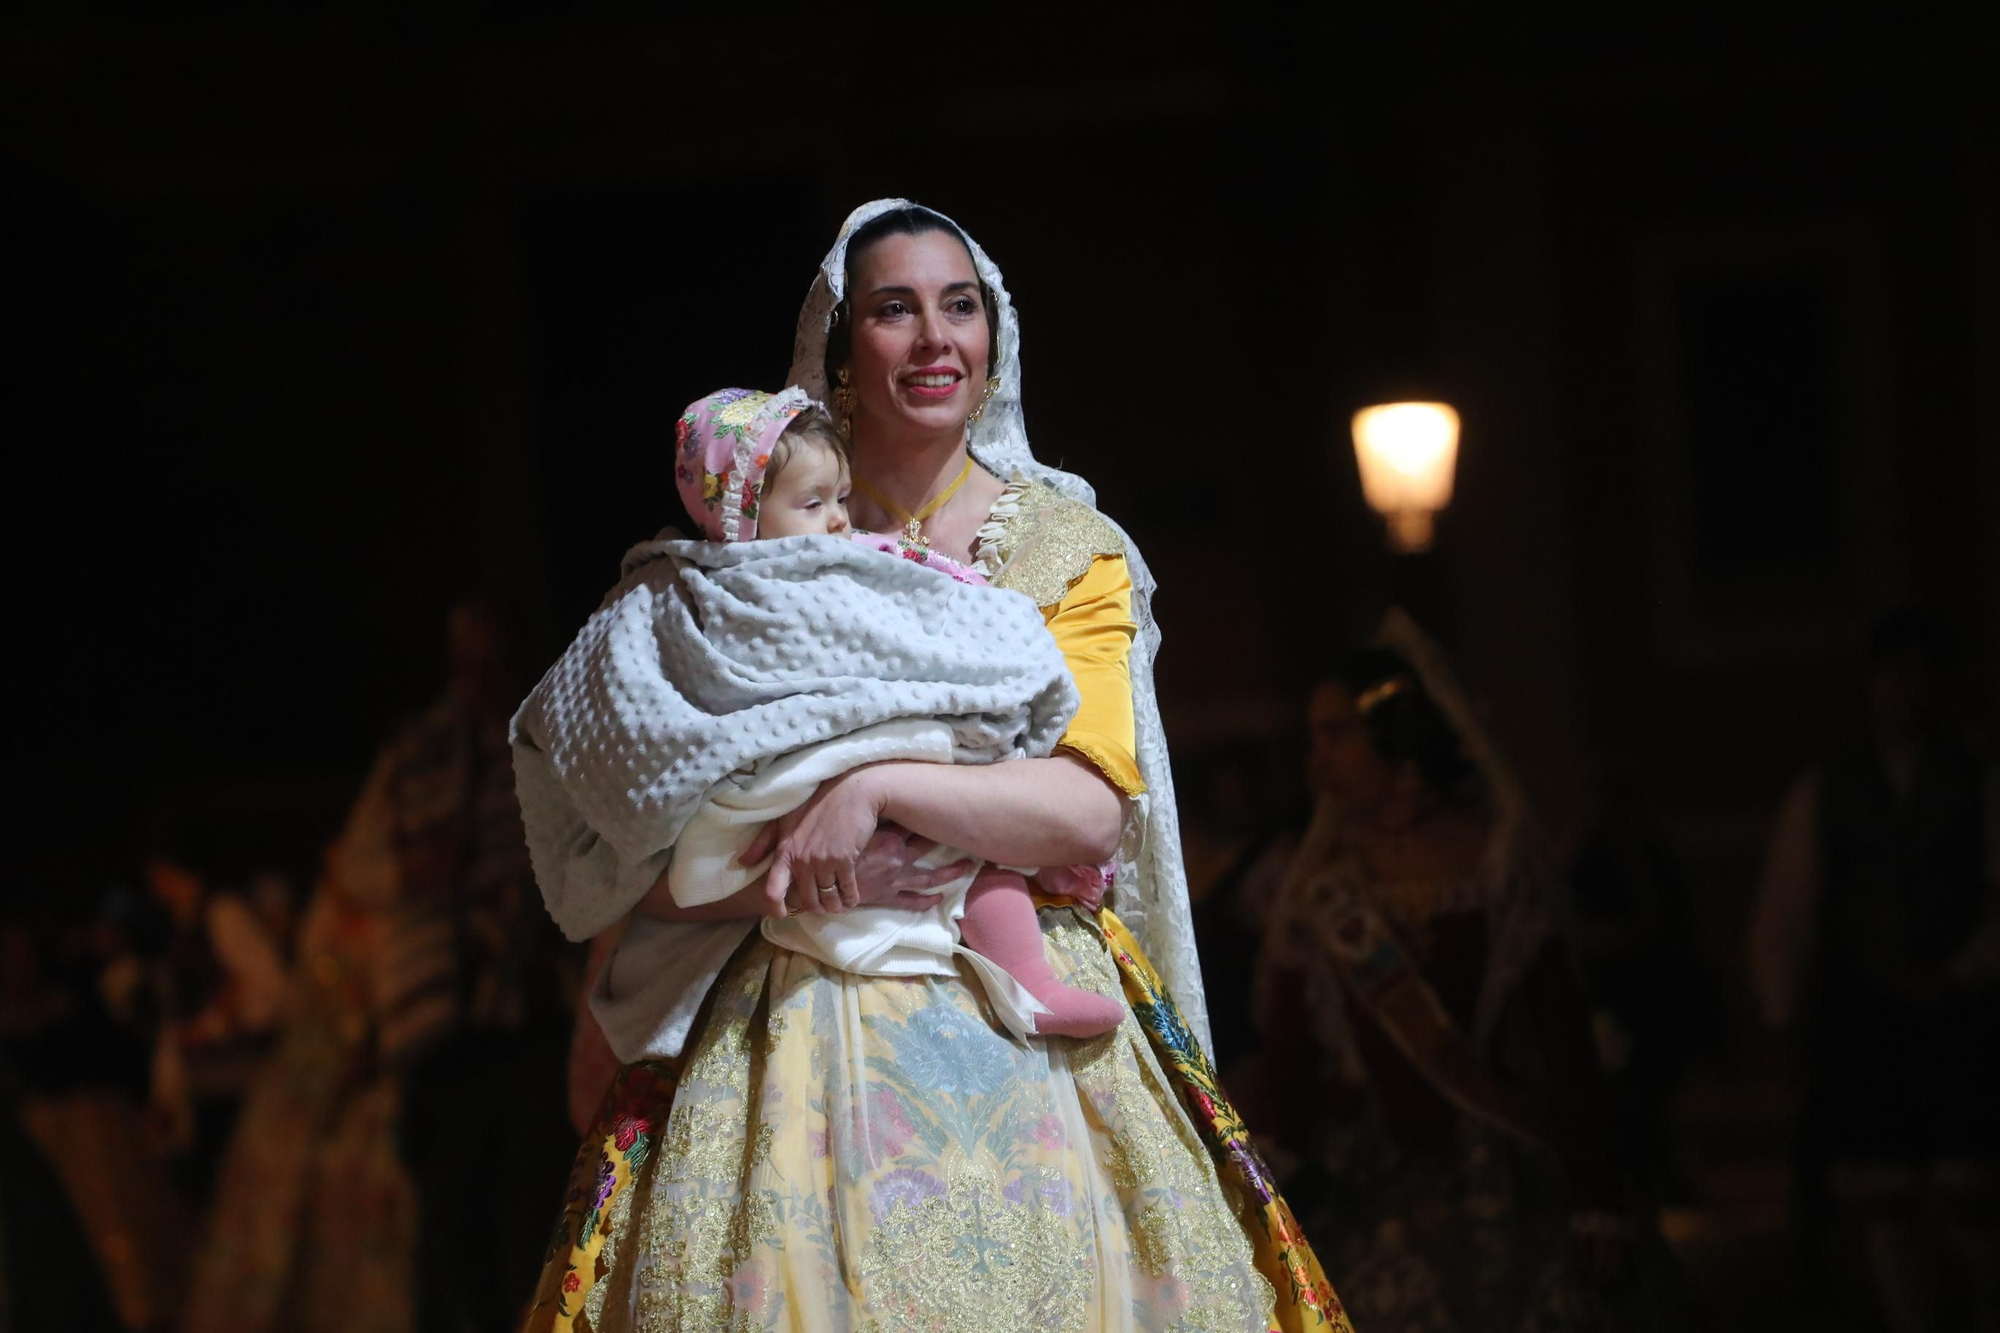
<point>886,874</point>
<point>820,845</point>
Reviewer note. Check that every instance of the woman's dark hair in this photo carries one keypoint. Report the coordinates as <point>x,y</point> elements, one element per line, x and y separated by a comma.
<point>914,220</point>
<point>1403,722</point>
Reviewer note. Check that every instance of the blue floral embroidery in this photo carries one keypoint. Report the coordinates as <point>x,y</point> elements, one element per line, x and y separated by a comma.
<point>944,1049</point>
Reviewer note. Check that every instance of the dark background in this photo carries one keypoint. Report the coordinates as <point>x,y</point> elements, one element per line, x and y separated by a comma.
<point>320,317</point>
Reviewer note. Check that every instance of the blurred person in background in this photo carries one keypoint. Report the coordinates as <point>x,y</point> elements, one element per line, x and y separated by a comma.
<point>474,984</point>
<point>1876,937</point>
<point>1455,1153</point>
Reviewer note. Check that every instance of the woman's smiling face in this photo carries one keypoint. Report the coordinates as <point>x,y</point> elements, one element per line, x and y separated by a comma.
<point>920,340</point>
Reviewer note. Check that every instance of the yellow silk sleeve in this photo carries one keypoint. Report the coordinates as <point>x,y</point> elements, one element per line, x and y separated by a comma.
<point>1093,626</point>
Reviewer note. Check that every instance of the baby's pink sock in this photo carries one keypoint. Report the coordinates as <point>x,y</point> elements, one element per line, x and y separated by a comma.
<point>1000,924</point>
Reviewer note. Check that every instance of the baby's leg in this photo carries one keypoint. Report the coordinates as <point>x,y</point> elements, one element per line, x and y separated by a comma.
<point>1000,924</point>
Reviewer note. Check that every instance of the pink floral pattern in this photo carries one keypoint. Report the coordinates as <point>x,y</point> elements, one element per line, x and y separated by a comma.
<point>1048,1131</point>
<point>922,555</point>
<point>722,446</point>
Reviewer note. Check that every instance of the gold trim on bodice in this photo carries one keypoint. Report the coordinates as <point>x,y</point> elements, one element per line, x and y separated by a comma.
<point>1045,544</point>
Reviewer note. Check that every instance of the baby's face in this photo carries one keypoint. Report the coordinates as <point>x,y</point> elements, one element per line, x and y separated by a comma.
<point>809,498</point>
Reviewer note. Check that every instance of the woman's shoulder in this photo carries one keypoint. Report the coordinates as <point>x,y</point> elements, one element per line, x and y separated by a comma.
<point>1040,542</point>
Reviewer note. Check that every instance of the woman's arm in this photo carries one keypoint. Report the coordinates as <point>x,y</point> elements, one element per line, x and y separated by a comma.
<point>887,875</point>
<point>1023,812</point>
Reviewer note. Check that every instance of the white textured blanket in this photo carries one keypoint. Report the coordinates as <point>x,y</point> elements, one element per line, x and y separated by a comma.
<point>710,659</point>
<point>652,983</point>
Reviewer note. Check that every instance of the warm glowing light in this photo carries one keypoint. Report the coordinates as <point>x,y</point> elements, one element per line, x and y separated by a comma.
<point>1407,452</point>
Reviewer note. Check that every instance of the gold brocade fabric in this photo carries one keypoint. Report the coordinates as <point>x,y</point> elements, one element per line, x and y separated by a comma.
<point>871,1154</point>
<point>1048,543</point>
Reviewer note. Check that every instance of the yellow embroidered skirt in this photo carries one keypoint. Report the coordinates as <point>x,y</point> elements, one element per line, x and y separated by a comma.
<point>841,1152</point>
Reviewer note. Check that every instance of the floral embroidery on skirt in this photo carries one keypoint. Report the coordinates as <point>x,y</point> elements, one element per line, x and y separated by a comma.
<point>862,1153</point>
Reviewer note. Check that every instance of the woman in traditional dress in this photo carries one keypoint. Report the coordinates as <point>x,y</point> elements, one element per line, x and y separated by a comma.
<point>833,1151</point>
<point>1419,1014</point>
<point>392,1166</point>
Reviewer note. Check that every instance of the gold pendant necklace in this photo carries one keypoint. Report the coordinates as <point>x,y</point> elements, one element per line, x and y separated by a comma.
<point>913,523</point>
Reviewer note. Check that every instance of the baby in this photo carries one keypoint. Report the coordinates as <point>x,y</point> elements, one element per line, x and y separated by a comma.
<point>757,468</point>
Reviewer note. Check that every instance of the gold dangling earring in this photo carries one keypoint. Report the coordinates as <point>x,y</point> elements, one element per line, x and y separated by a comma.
<point>843,402</point>
<point>992,387</point>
